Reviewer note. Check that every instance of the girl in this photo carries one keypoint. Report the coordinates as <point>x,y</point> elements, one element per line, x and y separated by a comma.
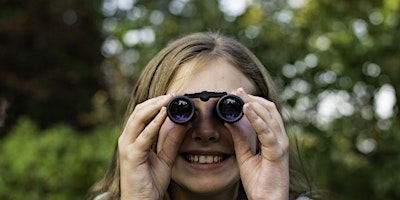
<point>205,158</point>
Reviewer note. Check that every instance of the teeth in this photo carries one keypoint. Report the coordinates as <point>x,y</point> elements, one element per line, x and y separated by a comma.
<point>204,159</point>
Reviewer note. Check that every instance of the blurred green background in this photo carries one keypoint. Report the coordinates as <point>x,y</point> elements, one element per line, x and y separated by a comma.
<point>68,66</point>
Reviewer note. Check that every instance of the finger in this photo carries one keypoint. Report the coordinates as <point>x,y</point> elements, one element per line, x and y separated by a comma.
<point>141,116</point>
<point>259,104</point>
<point>241,143</point>
<point>259,125</point>
<point>275,125</point>
<point>270,131</point>
<point>270,146</point>
<point>267,104</point>
<point>147,137</point>
<point>267,111</point>
<point>258,115</point>
<point>170,139</point>
<point>272,113</point>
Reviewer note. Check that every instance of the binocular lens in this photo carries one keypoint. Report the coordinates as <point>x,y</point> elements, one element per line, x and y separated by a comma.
<point>180,109</point>
<point>229,108</point>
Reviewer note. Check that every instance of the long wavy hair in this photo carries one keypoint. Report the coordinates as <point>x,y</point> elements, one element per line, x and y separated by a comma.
<point>158,75</point>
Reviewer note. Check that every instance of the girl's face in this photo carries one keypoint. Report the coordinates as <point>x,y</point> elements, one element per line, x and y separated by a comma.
<point>206,163</point>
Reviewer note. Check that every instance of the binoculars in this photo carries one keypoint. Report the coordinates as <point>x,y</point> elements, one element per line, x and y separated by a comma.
<point>229,108</point>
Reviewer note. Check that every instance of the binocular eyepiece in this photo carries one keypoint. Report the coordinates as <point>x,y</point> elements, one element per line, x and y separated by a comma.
<point>229,108</point>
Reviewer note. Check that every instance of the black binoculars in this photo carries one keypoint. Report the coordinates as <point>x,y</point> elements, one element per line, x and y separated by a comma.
<point>229,108</point>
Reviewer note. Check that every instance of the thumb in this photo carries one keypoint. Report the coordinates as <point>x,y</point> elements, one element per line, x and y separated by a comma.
<point>169,147</point>
<point>241,141</point>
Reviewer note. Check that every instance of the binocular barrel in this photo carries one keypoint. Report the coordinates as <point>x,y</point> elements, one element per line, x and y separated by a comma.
<point>229,108</point>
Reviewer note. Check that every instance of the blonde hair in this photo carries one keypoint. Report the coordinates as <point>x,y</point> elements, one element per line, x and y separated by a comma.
<point>159,73</point>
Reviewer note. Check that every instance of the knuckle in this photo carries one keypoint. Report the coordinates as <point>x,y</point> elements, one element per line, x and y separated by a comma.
<point>271,104</point>
<point>275,124</point>
<point>263,130</point>
<point>121,142</point>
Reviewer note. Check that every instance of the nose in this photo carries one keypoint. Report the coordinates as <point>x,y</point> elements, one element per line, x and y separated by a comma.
<point>205,123</point>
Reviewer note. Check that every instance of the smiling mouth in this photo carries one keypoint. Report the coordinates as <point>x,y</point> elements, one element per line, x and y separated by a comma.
<point>204,159</point>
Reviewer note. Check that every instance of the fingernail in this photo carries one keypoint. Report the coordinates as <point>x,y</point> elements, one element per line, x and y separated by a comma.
<point>241,90</point>
<point>248,109</point>
<point>169,95</point>
<point>163,109</point>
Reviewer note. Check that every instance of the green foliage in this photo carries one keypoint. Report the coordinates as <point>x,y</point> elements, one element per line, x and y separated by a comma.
<point>56,163</point>
<point>324,55</point>
<point>49,56</point>
<point>355,159</point>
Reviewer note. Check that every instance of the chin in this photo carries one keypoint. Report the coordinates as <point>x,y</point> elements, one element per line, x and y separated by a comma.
<point>206,186</point>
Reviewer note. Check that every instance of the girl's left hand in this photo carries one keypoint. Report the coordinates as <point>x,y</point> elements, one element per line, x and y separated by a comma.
<point>265,174</point>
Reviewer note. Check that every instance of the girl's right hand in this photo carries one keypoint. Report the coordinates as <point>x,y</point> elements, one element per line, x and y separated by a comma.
<point>145,174</point>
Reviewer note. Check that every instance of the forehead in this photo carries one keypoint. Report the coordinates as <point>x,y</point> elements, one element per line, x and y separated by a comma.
<point>215,75</point>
